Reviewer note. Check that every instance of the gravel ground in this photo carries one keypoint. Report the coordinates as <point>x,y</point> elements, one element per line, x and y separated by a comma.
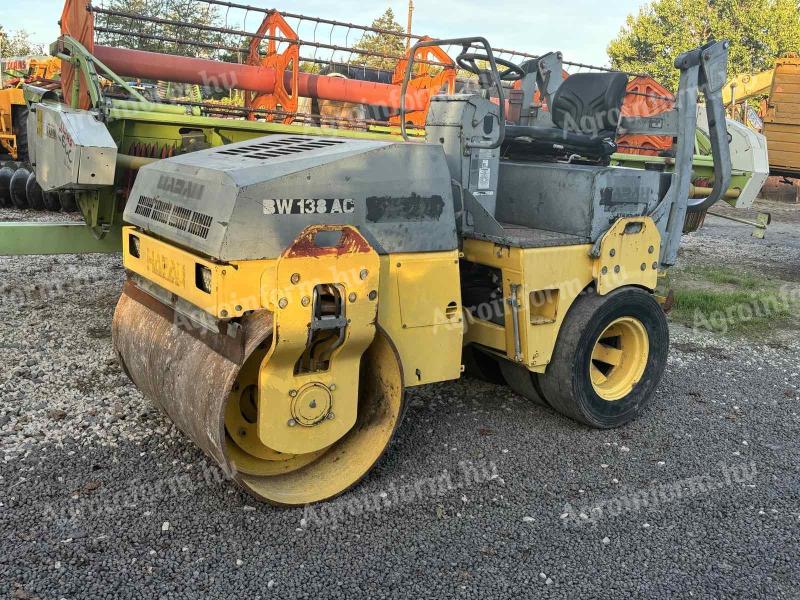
<point>483,494</point>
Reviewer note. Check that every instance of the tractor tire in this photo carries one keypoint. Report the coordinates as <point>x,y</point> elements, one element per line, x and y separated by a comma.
<point>6,173</point>
<point>34,192</point>
<point>19,197</point>
<point>523,382</point>
<point>481,365</point>
<point>51,201</point>
<point>609,358</point>
<point>20,128</point>
<point>67,201</point>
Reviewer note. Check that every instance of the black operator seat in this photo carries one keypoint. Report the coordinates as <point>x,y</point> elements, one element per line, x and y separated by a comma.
<point>586,111</point>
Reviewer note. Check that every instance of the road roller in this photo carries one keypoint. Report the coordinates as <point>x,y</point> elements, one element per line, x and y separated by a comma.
<point>283,292</point>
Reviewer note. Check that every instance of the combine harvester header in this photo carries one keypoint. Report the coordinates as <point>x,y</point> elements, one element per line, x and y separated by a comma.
<point>292,74</point>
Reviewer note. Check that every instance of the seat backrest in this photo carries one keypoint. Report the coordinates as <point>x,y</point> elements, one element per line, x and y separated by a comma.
<point>589,103</point>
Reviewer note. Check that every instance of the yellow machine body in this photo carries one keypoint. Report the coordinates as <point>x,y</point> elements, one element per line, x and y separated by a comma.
<point>9,98</point>
<point>780,111</point>
<point>543,283</point>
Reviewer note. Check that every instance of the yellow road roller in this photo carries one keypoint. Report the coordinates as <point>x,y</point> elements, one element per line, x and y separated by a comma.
<point>283,292</point>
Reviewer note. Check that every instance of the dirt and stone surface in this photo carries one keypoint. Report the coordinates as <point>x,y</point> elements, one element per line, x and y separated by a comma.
<point>483,494</point>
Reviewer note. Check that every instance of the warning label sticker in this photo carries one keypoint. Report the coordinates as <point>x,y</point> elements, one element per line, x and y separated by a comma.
<point>484,175</point>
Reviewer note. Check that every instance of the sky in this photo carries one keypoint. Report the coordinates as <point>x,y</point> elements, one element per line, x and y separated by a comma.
<point>581,29</point>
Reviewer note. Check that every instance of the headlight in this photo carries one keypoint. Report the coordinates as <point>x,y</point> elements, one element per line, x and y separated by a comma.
<point>203,278</point>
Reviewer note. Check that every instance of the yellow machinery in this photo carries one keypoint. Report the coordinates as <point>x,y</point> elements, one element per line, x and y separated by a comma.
<point>12,105</point>
<point>284,291</point>
<point>13,111</point>
<point>780,120</point>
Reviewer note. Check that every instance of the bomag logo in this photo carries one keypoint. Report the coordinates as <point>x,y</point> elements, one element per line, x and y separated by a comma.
<point>180,187</point>
<point>166,268</point>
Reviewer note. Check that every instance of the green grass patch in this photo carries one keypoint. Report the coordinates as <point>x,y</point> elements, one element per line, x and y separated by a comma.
<point>728,277</point>
<point>730,312</point>
<point>728,301</point>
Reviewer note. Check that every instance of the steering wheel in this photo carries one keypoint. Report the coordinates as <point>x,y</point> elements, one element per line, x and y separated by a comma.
<point>468,62</point>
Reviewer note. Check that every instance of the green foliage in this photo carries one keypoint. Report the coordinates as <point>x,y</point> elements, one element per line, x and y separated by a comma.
<point>184,11</point>
<point>18,43</point>
<point>309,67</point>
<point>759,31</point>
<point>382,43</point>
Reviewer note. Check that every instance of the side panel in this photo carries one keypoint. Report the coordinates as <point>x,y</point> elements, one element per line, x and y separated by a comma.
<point>235,288</point>
<point>420,309</point>
<point>542,274</point>
<point>72,149</point>
<point>578,200</point>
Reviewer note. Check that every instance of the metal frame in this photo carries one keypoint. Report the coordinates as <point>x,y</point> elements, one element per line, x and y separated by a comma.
<point>466,43</point>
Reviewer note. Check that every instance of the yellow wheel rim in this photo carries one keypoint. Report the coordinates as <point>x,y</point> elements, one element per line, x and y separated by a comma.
<point>619,358</point>
<point>294,479</point>
<point>248,453</point>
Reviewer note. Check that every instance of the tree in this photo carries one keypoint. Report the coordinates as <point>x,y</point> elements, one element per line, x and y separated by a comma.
<point>142,34</point>
<point>18,43</point>
<point>382,43</point>
<point>759,31</point>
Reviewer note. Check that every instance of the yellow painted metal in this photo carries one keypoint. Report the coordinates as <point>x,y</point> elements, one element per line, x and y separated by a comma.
<point>344,464</point>
<point>747,85</point>
<point>782,121</point>
<point>567,269</point>
<point>629,254</point>
<point>420,309</point>
<point>429,345</point>
<point>548,280</point>
<point>300,412</point>
<point>250,455</point>
<point>485,333</point>
<point>619,358</point>
<point>236,287</point>
<point>9,98</point>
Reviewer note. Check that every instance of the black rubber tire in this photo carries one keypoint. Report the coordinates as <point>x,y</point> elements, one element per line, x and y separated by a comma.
<point>20,128</point>
<point>481,366</point>
<point>522,381</point>
<point>34,193</point>
<point>51,202</point>
<point>19,197</point>
<point>567,384</point>
<point>6,173</point>
<point>67,201</point>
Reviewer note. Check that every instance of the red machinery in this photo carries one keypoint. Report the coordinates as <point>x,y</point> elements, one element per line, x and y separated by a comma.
<point>646,97</point>
<point>434,73</point>
<point>269,92</point>
<point>283,97</point>
<point>274,74</point>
